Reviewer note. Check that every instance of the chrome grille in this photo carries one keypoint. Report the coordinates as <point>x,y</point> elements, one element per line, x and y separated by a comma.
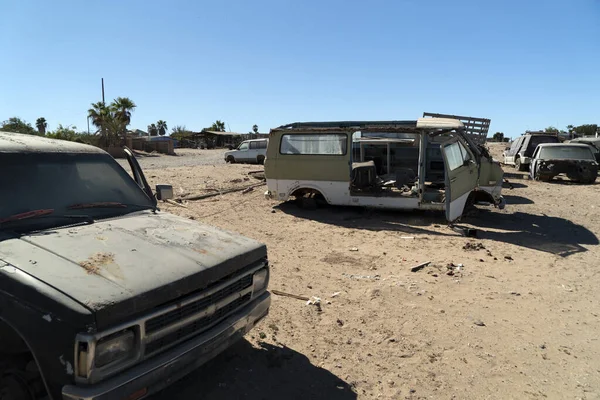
<point>195,327</point>
<point>157,323</point>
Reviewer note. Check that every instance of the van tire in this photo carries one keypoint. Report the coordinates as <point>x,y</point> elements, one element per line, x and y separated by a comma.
<point>260,160</point>
<point>230,160</point>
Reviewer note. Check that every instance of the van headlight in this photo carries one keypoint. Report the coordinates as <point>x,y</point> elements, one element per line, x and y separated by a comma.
<point>260,280</point>
<point>115,348</point>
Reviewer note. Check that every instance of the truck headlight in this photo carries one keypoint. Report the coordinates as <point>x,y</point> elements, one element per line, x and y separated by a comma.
<point>260,280</point>
<point>115,348</point>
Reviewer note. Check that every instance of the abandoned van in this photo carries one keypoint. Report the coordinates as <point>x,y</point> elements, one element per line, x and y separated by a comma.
<point>428,164</point>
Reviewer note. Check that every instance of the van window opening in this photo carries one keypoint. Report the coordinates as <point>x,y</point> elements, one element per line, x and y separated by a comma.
<point>314,144</point>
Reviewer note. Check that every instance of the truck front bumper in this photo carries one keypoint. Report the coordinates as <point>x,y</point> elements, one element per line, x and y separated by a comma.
<point>164,369</point>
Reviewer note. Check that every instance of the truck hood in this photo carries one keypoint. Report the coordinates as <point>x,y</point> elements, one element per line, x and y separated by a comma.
<point>123,267</point>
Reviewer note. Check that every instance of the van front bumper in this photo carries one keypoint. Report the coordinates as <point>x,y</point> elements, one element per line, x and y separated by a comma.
<point>164,369</point>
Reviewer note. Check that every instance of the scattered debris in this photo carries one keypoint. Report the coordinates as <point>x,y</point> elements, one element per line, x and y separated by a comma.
<point>369,277</point>
<point>468,232</point>
<point>407,237</point>
<point>294,296</point>
<point>315,301</point>
<point>247,190</point>
<point>238,189</point>
<point>568,289</point>
<point>508,258</point>
<point>340,322</point>
<point>175,203</point>
<point>472,246</point>
<point>354,249</point>
<point>515,293</point>
<point>420,266</point>
<point>479,322</point>
<point>336,294</point>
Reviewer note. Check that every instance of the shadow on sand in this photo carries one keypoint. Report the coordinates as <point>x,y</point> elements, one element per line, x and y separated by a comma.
<point>538,232</point>
<point>269,372</point>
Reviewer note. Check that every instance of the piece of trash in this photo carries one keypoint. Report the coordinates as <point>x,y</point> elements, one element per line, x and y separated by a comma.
<point>336,294</point>
<point>420,266</point>
<point>568,289</point>
<point>508,258</point>
<point>472,246</point>
<point>354,249</point>
<point>407,237</point>
<point>314,301</point>
<point>479,322</point>
<point>247,190</point>
<point>340,322</point>
<point>369,277</point>
<point>468,232</point>
<point>515,293</point>
<point>293,296</point>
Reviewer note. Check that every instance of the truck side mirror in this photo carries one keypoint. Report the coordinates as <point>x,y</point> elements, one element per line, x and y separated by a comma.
<point>164,192</point>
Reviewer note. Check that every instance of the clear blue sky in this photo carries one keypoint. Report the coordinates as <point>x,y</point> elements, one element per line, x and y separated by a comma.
<point>525,64</point>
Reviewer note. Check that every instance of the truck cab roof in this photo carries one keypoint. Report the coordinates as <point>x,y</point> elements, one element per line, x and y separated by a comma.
<point>19,143</point>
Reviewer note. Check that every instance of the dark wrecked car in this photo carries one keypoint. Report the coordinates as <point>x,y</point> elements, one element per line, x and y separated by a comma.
<point>102,296</point>
<point>576,161</point>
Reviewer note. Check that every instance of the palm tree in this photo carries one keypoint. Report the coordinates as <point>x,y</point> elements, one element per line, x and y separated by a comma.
<point>152,130</point>
<point>41,125</point>
<point>123,107</point>
<point>218,126</point>
<point>162,127</point>
<point>255,129</point>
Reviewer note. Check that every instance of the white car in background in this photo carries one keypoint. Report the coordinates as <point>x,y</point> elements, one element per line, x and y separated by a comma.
<point>249,151</point>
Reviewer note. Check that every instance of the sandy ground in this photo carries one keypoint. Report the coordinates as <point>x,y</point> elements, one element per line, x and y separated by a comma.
<point>518,320</point>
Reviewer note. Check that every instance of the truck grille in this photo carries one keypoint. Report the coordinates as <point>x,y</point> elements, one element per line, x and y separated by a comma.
<point>169,318</point>
<point>195,327</point>
<point>197,313</point>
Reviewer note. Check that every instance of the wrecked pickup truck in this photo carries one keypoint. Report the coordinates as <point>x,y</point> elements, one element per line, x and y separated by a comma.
<point>102,296</point>
<point>575,160</point>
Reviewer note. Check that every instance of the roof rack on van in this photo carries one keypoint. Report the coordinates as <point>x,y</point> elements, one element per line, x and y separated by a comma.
<point>348,124</point>
<point>540,133</point>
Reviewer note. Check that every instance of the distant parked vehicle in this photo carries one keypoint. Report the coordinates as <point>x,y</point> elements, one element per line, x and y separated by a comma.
<point>249,151</point>
<point>575,160</point>
<point>519,154</point>
<point>593,142</point>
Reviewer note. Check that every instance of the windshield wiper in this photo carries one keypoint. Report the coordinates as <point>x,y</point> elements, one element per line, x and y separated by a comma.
<point>99,204</point>
<point>26,215</point>
<point>42,214</point>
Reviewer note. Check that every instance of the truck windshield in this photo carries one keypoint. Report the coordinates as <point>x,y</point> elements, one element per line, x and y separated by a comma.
<point>566,153</point>
<point>66,182</point>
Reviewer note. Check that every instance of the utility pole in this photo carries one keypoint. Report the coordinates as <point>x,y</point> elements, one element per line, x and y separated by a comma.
<point>88,121</point>
<point>103,102</point>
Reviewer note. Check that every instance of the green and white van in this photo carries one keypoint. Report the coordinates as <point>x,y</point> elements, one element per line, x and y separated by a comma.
<point>428,164</point>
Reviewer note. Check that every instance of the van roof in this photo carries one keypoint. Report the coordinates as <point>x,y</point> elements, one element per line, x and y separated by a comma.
<point>394,125</point>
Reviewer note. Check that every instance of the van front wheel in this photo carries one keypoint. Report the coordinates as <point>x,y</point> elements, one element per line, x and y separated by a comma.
<point>230,160</point>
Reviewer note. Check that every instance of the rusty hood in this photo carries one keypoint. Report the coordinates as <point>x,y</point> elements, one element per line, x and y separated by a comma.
<point>121,268</point>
